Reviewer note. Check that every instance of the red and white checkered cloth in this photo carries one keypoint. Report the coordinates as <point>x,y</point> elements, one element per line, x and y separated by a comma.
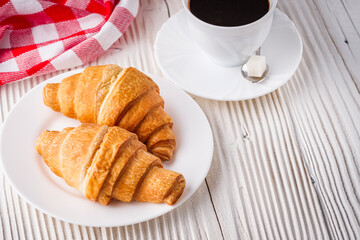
<point>38,36</point>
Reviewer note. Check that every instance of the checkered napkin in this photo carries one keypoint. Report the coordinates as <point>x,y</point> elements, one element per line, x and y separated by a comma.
<point>38,36</point>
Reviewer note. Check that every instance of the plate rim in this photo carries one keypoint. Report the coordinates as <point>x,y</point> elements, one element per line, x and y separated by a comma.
<point>167,75</point>
<point>57,78</point>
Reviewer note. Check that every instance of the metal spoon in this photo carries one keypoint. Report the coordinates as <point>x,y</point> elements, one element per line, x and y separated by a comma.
<point>254,79</point>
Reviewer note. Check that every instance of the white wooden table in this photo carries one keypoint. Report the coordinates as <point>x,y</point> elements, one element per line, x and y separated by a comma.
<point>285,166</point>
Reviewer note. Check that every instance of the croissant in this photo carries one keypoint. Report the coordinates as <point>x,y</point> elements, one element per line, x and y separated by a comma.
<point>108,162</point>
<point>110,95</point>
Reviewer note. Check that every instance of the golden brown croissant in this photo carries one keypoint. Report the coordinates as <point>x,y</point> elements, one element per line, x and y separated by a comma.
<point>108,162</point>
<point>110,95</point>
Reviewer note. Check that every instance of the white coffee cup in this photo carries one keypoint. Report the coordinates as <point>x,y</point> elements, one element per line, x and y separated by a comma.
<point>229,46</point>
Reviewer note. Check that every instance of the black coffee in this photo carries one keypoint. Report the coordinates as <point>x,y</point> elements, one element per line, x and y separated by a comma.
<point>229,12</point>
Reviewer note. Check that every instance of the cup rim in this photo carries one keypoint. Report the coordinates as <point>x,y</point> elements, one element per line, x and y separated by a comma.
<point>271,10</point>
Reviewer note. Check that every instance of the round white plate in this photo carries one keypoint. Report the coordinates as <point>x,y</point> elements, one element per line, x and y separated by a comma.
<point>187,66</point>
<point>32,179</point>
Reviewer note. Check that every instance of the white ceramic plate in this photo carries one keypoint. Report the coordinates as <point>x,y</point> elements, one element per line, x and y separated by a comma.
<point>188,67</point>
<point>32,179</point>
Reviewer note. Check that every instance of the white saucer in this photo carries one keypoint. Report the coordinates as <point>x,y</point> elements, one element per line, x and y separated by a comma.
<point>188,67</point>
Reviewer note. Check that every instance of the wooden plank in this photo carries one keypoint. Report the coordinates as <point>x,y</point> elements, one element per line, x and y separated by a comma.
<point>268,187</point>
<point>341,21</point>
<point>327,125</point>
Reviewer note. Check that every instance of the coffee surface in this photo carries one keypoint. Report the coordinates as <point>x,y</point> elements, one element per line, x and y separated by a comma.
<point>229,12</point>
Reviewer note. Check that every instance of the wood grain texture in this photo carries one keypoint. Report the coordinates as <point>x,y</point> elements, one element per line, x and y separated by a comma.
<point>285,166</point>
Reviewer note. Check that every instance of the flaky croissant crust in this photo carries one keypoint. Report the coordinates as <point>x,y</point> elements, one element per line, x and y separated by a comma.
<point>113,96</point>
<point>108,162</point>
